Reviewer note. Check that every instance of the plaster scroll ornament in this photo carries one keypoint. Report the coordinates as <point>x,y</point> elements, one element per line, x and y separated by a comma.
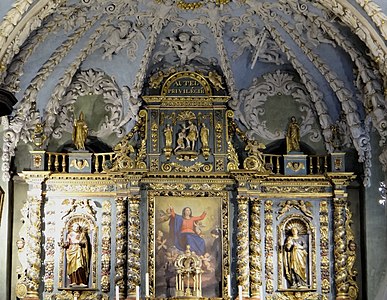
<point>184,45</point>
<point>91,82</point>
<point>120,36</point>
<point>260,45</point>
<point>254,101</point>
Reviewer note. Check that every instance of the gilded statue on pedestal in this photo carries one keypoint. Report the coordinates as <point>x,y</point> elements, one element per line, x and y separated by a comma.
<point>295,260</point>
<point>293,136</point>
<point>80,132</point>
<point>78,252</point>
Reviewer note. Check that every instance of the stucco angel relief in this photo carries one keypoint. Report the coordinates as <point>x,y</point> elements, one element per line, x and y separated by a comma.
<point>185,45</point>
<point>120,36</point>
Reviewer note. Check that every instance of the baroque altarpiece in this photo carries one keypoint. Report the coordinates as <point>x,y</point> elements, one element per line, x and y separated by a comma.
<point>186,206</point>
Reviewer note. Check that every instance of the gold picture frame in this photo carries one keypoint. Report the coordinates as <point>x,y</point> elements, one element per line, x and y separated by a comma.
<point>211,244</point>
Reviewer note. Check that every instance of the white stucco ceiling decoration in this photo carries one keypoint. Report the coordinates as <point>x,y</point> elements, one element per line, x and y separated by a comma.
<point>336,47</point>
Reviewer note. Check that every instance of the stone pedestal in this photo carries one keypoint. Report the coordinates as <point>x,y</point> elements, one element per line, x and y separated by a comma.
<point>338,162</point>
<point>80,162</point>
<point>295,163</point>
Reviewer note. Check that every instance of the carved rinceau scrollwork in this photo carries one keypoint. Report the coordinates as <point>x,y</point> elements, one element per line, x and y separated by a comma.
<point>106,246</point>
<point>133,259</point>
<point>255,250</point>
<point>233,163</point>
<point>269,246</point>
<point>243,243</point>
<point>196,167</point>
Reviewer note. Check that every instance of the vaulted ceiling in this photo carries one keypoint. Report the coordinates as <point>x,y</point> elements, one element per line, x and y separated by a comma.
<point>335,49</point>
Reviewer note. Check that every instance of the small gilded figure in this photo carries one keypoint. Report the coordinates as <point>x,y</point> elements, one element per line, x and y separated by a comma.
<point>80,132</point>
<point>204,135</point>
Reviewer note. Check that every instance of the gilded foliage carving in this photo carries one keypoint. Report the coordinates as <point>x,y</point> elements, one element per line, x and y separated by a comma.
<point>196,167</point>
<point>121,244</point>
<point>255,249</point>
<point>106,246</point>
<point>243,243</point>
<point>133,257</point>
<point>269,246</point>
<point>324,248</point>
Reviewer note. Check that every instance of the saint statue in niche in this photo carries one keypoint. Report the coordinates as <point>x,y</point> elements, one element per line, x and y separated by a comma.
<point>80,132</point>
<point>293,136</point>
<point>296,259</point>
<point>78,253</point>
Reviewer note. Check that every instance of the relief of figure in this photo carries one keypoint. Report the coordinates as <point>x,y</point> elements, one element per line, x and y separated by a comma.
<point>192,135</point>
<point>255,160</point>
<point>182,229</point>
<point>293,136</point>
<point>216,80</point>
<point>186,47</point>
<point>295,260</point>
<point>78,250</point>
<point>168,133</point>
<point>119,37</point>
<point>181,136</point>
<point>22,255</point>
<point>80,132</point>
<point>204,135</point>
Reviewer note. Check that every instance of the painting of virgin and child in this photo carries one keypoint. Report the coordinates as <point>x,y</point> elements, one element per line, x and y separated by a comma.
<point>188,223</point>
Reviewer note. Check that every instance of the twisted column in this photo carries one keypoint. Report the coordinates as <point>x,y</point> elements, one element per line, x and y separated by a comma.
<point>106,245</point>
<point>324,248</point>
<point>133,274</point>
<point>340,240</point>
<point>269,246</point>
<point>243,244</point>
<point>33,243</point>
<point>121,244</point>
<point>255,250</point>
<point>32,218</point>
